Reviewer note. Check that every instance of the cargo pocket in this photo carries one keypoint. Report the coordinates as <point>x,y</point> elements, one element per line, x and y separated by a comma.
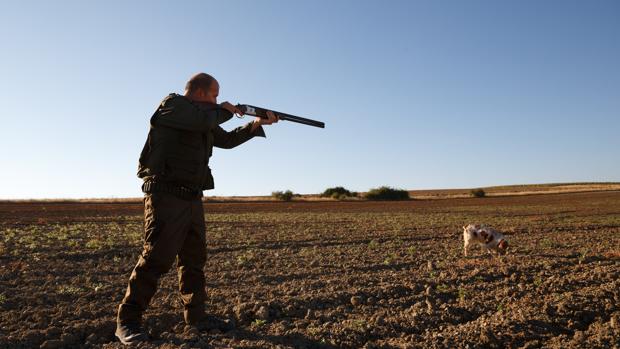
<point>153,223</point>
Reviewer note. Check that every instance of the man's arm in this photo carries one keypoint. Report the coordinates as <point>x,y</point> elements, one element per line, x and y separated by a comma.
<point>230,139</point>
<point>179,113</point>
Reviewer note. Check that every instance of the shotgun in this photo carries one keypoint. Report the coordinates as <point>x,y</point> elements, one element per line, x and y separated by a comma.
<point>262,113</point>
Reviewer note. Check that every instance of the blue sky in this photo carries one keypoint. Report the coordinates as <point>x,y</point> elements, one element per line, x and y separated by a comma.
<point>415,94</point>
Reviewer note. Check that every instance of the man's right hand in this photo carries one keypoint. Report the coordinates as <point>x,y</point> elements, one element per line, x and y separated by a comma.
<point>231,108</point>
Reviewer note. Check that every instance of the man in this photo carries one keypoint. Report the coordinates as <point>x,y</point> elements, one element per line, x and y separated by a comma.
<point>174,165</point>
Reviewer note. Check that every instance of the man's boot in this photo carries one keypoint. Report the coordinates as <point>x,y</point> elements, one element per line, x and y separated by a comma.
<point>130,333</point>
<point>204,322</point>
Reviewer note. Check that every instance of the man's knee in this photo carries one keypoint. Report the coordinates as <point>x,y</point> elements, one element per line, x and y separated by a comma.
<point>193,268</point>
<point>193,256</point>
<point>154,264</point>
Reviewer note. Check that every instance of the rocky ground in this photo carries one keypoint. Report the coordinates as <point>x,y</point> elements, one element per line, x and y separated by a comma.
<point>327,274</point>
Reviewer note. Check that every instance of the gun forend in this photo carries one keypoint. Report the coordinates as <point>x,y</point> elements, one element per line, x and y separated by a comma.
<point>262,113</point>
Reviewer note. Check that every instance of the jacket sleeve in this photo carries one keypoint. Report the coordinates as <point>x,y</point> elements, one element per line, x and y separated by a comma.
<point>178,113</point>
<point>230,139</point>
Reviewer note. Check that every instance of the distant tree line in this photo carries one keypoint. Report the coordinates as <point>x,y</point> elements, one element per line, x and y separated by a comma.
<point>341,193</point>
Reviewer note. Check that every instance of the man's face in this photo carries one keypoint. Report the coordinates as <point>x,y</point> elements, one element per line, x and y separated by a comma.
<point>210,96</point>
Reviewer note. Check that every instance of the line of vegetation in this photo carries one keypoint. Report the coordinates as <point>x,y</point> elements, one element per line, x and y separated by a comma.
<point>478,193</point>
<point>338,193</point>
<point>387,193</point>
<point>383,193</point>
<point>283,195</point>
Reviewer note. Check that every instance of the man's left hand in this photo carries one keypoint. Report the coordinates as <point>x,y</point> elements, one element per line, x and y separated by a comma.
<point>271,118</point>
<point>258,121</point>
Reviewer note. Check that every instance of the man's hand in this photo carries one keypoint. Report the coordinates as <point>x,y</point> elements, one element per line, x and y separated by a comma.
<point>271,118</point>
<point>231,108</point>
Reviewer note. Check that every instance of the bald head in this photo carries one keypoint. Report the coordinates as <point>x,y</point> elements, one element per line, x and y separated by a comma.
<point>202,87</point>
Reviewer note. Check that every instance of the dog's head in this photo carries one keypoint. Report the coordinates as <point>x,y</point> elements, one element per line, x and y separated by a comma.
<point>502,246</point>
<point>470,228</point>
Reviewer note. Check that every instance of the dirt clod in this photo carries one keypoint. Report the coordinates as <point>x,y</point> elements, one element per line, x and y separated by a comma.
<point>52,344</point>
<point>262,313</point>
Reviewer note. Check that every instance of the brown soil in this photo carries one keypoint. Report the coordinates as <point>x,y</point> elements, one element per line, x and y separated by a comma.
<point>326,274</point>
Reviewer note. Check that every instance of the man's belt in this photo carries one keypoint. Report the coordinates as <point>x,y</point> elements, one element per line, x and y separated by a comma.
<point>174,189</point>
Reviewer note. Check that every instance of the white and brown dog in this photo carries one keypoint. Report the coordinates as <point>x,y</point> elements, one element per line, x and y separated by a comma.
<point>489,238</point>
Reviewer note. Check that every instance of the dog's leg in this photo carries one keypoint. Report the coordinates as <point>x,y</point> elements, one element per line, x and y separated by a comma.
<point>488,250</point>
<point>465,242</point>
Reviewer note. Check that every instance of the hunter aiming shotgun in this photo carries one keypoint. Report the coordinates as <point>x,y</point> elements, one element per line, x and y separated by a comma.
<point>174,167</point>
<point>262,113</point>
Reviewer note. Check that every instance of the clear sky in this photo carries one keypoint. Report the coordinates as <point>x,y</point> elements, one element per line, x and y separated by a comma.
<point>415,94</point>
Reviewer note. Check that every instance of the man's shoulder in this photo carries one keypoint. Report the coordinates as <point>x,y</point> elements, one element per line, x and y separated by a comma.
<point>173,98</point>
<point>177,100</point>
<point>173,103</point>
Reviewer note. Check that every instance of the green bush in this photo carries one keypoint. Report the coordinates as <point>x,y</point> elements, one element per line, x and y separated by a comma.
<point>338,193</point>
<point>283,195</point>
<point>387,193</point>
<point>478,193</point>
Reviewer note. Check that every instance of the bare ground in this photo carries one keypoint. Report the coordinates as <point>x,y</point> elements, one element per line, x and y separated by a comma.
<point>327,274</point>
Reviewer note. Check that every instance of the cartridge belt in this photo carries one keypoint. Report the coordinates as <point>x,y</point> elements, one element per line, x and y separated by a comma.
<point>179,191</point>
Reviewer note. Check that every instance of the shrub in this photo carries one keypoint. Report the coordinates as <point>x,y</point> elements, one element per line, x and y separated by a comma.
<point>283,195</point>
<point>478,193</point>
<point>337,193</point>
<point>387,193</point>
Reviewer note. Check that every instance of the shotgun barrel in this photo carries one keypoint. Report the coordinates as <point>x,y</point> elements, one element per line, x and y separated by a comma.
<point>262,113</point>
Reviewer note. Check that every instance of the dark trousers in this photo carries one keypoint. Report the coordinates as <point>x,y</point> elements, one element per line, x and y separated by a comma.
<point>173,228</point>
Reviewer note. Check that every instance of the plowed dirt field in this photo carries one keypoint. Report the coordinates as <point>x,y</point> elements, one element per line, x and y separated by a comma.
<point>326,274</point>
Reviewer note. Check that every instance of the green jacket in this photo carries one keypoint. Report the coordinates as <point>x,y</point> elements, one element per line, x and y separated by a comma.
<point>181,140</point>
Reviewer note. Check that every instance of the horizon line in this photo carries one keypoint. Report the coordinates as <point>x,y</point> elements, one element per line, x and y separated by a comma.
<point>505,186</point>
